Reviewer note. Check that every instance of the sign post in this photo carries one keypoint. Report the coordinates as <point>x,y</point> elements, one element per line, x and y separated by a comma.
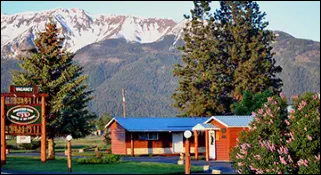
<point>69,138</point>
<point>187,135</point>
<point>43,130</point>
<point>3,132</point>
<point>23,114</point>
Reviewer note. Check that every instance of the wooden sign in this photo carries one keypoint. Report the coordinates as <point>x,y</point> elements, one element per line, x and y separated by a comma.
<point>23,114</point>
<point>23,139</point>
<point>31,129</point>
<point>23,89</point>
<point>31,89</point>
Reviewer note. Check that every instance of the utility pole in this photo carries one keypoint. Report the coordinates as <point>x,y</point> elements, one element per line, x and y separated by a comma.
<point>124,105</point>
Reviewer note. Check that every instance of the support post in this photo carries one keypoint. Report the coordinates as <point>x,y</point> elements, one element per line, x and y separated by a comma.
<point>3,132</point>
<point>187,157</point>
<point>43,130</point>
<point>196,144</point>
<point>207,150</point>
<point>69,157</point>
<point>132,145</point>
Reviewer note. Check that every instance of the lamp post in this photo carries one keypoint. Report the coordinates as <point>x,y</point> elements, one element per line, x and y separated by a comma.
<point>69,138</point>
<point>187,135</point>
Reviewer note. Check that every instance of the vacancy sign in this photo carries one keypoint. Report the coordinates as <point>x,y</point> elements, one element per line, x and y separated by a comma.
<point>23,139</point>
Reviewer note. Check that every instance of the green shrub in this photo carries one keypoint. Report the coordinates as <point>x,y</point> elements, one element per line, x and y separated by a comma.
<point>11,147</point>
<point>35,144</point>
<point>106,159</point>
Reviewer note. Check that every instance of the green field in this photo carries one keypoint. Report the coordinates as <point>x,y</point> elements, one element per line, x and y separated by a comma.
<point>87,143</point>
<point>33,164</point>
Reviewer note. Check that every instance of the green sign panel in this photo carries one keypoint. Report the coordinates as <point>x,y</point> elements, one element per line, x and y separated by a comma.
<point>23,114</point>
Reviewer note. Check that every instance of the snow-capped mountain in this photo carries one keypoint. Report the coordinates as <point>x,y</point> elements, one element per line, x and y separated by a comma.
<point>80,28</point>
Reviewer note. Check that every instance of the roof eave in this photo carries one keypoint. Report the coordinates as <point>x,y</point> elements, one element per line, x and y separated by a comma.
<point>212,118</point>
<point>238,126</point>
<point>110,122</point>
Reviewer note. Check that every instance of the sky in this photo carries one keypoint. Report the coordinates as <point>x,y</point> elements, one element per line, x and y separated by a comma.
<point>300,19</point>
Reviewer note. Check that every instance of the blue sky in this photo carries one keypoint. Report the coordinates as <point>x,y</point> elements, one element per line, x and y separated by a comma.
<point>298,18</point>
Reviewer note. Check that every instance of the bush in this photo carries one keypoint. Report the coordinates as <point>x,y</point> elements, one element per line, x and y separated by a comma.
<point>281,142</point>
<point>11,147</point>
<point>106,159</point>
<point>304,125</point>
<point>35,144</point>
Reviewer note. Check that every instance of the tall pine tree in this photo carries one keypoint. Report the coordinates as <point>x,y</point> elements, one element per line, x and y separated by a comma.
<point>200,77</point>
<point>51,68</point>
<point>250,48</point>
<point>224,56</point>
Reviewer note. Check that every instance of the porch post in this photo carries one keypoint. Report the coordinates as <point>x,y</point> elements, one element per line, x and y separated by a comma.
<point>187,157</point>
<point>3,132</point>
<point>196,144</point>
<point>207,150</point>
<point>132,144</point>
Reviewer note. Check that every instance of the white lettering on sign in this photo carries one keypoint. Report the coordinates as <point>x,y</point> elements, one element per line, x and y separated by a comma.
<point>23,139</point>
<point>24,89</point>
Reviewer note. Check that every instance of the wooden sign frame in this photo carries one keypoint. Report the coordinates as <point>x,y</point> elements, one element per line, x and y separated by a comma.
<point>28,97</point>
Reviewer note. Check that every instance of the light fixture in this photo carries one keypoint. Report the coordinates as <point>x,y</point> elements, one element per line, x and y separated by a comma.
<point>69,138</point>
<point>187,134</point>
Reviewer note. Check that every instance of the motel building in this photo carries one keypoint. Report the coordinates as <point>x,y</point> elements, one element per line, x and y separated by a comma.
<point>212,137</point>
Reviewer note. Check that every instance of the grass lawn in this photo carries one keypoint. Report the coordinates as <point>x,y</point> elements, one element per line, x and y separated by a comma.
<point>61,145</point>
<point>33,164</point>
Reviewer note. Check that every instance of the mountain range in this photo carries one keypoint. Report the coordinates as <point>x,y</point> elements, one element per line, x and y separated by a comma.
<point>79,28</point>
<point>137,54</point>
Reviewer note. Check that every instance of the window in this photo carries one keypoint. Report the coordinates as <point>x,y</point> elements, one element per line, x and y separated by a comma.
<point>148,136</point>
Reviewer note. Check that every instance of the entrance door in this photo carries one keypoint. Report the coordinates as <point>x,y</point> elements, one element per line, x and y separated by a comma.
<point>177,142</point>
<point>212,150</point>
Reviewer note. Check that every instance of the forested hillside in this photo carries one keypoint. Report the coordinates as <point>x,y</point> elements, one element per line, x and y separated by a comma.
<point>145,72</point>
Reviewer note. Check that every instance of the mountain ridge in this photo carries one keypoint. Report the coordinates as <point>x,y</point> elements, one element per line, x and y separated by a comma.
<point>79,28</point>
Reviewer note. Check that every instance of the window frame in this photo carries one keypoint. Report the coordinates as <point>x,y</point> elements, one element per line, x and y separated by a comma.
<point>148,136</point>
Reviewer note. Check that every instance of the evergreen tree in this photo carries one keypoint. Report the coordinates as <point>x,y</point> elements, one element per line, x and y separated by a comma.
<point>102,121</point>
<point>224,56</point>
<point>249,48</point>
<point>51,68</point>
<point>250,102</point>
<point>202,81</point>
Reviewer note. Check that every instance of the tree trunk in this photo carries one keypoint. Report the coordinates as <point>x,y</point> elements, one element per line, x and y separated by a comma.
<point>51,149</point>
